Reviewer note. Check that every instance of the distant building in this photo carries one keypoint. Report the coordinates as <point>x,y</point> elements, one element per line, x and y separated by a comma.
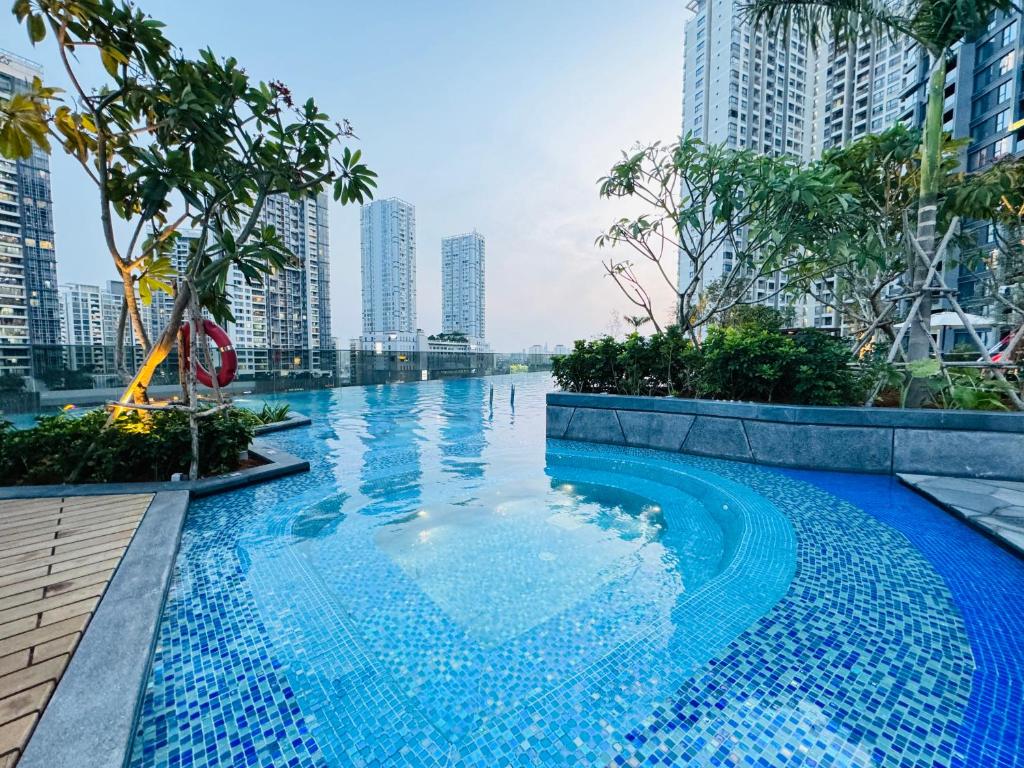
<point>89,313</point>
<point>387,358</point>
<point>89,316</point>
<point>985,102</point>
<point>388,255</point>
<point>29,310</point>
<point>463,296</point>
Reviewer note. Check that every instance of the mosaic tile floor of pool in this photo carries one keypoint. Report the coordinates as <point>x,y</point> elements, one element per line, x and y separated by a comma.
<point>447,588</point>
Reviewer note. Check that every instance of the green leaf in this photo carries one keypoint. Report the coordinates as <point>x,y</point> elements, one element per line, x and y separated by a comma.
<point>36,28</point>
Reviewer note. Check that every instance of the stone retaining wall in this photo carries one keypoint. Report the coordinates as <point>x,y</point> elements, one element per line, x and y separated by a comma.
<point>879,440</point>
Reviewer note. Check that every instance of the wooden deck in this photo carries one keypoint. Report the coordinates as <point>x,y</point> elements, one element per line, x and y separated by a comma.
<point>56,558</point>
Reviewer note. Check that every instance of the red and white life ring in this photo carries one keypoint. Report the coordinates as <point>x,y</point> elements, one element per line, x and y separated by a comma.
<point>228,357</point>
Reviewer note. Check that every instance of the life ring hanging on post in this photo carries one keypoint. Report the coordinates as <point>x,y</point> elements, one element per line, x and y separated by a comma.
<point>228,357</point>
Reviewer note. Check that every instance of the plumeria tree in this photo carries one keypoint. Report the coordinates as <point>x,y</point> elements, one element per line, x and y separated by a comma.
<point>172,141</point>
<point>706,202</point>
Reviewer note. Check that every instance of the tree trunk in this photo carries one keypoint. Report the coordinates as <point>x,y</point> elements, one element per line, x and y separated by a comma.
<point>130,300</point>
<point>119,366</point>
<point>919,341</point>
<point>136,389</point>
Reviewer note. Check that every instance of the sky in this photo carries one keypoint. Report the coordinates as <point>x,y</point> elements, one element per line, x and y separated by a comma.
<point>491,115</point>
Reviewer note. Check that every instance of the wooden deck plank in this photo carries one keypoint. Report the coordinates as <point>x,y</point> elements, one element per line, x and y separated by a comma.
<point>66,510</point>
<point>42,634</point>
<point>56,558</point>
<point>27,702</point>
<point>14,735</point>
<point>49,603</point>
<point>78,539</point>
<point>57,521</point>
<point>54,579</point>
<point>68,535</point>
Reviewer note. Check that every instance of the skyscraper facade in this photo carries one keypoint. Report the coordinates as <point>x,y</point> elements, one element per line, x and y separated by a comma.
<point>388,255</point>
<point>89,313</point>
<point>463,298</point>
<point>864,88</point>
<point>14,339</point>
<point>29,310</point>
<point>747,90</point>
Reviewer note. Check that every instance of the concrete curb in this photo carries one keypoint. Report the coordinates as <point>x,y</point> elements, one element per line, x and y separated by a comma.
<point>293,420</point>
<point>90,721</point>
<point>278,464</point>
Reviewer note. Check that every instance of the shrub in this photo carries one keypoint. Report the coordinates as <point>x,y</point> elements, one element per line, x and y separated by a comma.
<point>821,372</point>
<point>739,363</point>
<point>756,316</point>
<point>661,364</point>
<point>137,447</point>
<point>750,360</point>
<point>266,415</point>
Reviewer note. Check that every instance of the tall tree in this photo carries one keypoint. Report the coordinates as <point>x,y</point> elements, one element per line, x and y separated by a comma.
<point>171,141</point>
<point>706,201</point>
<point>871,253</point>
<point>936,26</point>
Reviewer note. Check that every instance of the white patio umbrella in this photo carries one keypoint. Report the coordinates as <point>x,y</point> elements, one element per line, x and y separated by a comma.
<point>952,320</point>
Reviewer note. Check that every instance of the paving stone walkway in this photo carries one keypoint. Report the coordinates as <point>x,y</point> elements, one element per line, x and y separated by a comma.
<point>56,558</point>
<point>995,506</point>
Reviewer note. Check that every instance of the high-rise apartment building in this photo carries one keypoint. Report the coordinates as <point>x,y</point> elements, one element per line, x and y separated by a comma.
<point>463,299</point>
<point>748,90</point>
<point>29,310</point>
<point>744,88</point>
<point>89,316</point>
<point>863,88</point>
<point>14,339</point>
<point>89,313</point>
<point>388,255</point>
<point>284,322</point>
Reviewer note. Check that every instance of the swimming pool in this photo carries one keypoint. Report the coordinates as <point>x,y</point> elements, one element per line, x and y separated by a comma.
<point>446,587</point>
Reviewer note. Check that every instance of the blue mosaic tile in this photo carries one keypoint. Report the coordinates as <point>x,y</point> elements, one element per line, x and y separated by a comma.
<point>445,588</point>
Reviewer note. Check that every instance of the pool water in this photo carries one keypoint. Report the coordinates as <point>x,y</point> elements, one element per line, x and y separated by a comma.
<point>447,587</point>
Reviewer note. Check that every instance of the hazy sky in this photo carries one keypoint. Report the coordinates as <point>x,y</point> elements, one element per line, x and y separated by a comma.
<point>494,115</point>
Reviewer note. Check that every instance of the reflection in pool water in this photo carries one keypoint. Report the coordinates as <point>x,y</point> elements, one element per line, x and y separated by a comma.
<point>445,587</point>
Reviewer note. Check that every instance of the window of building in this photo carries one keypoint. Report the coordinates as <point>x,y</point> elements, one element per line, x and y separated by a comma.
<point>1010,33</point>
<point>1006,63</point>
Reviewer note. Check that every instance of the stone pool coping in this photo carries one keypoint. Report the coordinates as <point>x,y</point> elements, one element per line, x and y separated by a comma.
<point>90,721</point>
<point>994,507</point>
<point>842,439</point>
<point>292,420</point>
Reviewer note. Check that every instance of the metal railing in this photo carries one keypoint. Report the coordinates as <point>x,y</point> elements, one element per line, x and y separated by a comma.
<point>55,376</point>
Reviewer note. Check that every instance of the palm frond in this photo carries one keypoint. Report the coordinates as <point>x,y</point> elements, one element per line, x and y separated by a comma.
<point>940,24</point>
<point>841,20</point>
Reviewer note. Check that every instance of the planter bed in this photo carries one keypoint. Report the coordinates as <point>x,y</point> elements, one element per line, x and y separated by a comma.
<point>878,440</point>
